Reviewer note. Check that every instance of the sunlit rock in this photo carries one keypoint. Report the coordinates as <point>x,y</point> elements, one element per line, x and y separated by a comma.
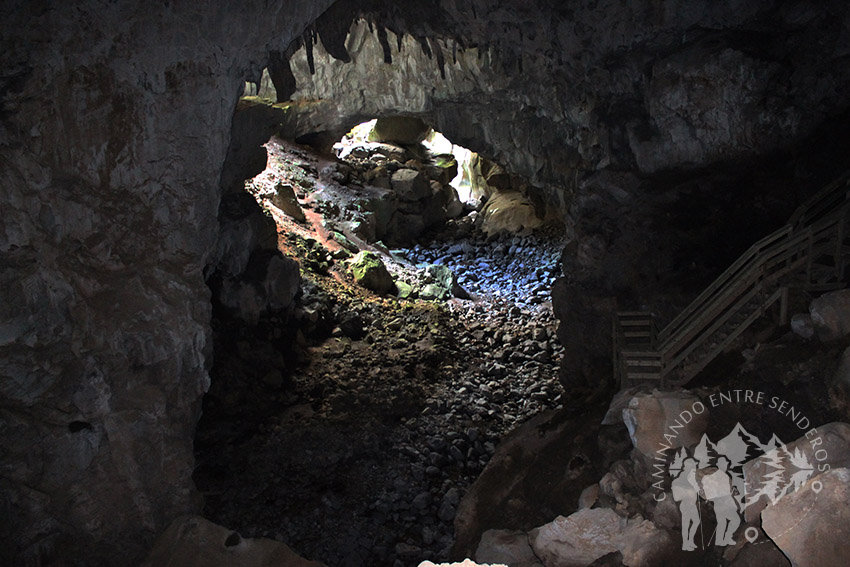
<point>400,130</point>
<point>369,271</point>
<point>284,199</point>
<point>510,212</point>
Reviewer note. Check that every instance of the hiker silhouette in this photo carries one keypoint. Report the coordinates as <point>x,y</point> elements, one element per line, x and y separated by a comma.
<point>686,493</point>
<point>717,487</point>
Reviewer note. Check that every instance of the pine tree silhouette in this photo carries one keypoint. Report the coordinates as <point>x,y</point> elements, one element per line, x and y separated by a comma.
<point>803,469</point>
<point>705,453</point>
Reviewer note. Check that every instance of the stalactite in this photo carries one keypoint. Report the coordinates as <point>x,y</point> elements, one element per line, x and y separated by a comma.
<point>333,28</point>
<point>308,46</point>
<point>438,51</point>
<point>281,76</point>
<point>426,49</point>
<point>385,45</point>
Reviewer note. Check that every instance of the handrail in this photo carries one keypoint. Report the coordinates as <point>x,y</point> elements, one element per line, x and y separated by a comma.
<point>821,201</point>
<point>750,285</point>
<point>730,275</point>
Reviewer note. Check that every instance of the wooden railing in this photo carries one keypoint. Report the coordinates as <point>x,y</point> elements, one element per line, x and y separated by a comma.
<point>809,252</point>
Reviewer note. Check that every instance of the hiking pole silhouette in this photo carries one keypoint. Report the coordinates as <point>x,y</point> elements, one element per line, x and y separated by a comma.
<point>699,514</point>
<point>700,497</point>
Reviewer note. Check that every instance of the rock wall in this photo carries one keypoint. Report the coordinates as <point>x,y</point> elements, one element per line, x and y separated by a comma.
<point>114,125</point>
<point>557,91</point>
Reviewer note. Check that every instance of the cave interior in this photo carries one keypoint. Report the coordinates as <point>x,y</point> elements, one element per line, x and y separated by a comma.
<point>334,282</point>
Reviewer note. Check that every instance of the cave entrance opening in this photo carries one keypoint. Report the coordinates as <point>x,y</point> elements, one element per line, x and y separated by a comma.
<point>430,201</point>
<point>441,148</point>
<point>331,401</point>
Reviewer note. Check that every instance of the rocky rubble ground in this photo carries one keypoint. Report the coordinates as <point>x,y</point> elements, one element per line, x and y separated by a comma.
<point>353,437</point>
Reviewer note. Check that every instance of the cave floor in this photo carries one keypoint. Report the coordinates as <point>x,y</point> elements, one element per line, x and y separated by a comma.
<point>355,445</point>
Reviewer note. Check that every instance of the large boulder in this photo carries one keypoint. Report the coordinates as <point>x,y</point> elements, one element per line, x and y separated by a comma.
<point>411,184</point>
<point>192,541</point>
<point>404,228</point>
<point>649,418</point>
<point>370,272</point>
<point>285,200</point>
<point>812,525</point>
<point>443,168</point>
<point>441,282</point>
<point>826,445</point>
<point>510,211</point>
<point>579,539</point>
<point>589,534</point>
<point>552,449</point>
<point>405,130</point>
<point>830,315</point>
<point>764,554</point>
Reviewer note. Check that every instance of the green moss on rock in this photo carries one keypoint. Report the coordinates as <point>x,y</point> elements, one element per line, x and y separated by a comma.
<point>403,290</point>
<point>370,272</point>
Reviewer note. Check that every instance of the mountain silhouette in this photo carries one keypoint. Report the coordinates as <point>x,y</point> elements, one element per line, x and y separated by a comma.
<point>739,446</point>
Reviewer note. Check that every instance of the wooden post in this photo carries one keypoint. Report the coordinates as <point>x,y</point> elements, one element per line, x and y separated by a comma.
<point>783,307</point>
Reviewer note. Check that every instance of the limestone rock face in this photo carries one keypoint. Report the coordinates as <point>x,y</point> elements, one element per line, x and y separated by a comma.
<point>113,137</point>
<point>812,525</point>
<point>192,541</point>
<point>582,88</point>
<point>272,284</point>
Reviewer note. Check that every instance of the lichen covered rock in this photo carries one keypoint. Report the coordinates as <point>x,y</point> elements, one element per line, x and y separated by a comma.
<point>370,272</point>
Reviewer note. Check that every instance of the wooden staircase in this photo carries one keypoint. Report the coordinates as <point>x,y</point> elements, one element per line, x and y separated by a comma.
<point>810,252</point>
